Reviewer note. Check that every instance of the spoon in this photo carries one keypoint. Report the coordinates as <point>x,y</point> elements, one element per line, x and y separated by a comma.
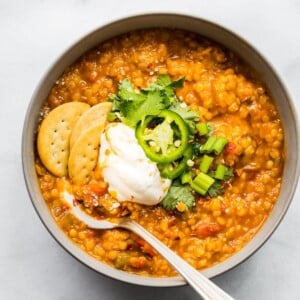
<point>201,284</point>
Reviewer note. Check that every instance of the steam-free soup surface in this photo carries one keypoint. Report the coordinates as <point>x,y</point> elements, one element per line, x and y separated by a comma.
<point>228,95</point>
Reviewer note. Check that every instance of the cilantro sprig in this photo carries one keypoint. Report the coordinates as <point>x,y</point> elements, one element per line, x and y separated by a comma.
<point>134,105</point>
<point>178,193</point>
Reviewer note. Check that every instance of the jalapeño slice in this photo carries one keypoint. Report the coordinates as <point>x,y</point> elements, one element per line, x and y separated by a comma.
<point>164,137</point>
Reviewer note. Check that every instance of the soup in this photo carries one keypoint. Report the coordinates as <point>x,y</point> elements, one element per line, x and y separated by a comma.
<point>220,99</point>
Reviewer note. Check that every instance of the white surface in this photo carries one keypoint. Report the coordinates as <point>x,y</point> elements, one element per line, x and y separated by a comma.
<point>33,33</point>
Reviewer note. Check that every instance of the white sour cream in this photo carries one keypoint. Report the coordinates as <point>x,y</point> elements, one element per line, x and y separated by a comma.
<point>131,176</point>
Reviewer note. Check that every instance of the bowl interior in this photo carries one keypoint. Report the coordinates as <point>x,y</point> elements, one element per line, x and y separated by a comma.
<point>209,30</point>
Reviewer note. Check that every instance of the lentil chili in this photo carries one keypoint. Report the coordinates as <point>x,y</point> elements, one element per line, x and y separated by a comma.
<point>227,94</point>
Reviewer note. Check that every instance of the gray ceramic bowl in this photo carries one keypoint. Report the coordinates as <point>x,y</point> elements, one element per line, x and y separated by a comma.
<point>214,32</point>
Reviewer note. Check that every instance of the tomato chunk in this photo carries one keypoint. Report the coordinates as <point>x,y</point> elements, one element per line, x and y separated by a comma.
<point>229,148</point>
<point>204,230</point>
<point>145,247</point>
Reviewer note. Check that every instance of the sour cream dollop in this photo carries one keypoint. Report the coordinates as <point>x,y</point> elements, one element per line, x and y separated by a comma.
<point>130,174</point>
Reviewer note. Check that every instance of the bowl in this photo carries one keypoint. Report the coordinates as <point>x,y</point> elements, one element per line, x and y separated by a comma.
<point>212,31</point>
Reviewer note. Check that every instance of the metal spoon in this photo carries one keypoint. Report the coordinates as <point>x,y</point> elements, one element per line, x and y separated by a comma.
<point>202,285</point>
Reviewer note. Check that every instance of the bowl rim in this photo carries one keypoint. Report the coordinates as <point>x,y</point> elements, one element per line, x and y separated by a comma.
<point>102,268</point>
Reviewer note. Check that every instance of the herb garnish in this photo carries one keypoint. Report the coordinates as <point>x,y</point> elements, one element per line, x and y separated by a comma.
<point>172,136</point>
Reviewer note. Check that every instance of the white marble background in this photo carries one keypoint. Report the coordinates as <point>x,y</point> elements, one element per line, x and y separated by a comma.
<point>33,33</point>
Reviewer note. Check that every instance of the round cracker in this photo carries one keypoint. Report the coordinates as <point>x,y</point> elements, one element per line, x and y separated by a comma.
<point>84,154</point>
<point>53,141</point>
<point>97,114</point>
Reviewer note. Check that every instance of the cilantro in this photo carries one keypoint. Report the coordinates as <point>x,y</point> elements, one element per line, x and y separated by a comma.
<point>176,194</point>
<point>196,148</point>
<point>164,81</point>
<point>165,84</point>
<point>135,111</point>
<point>134,105</point>
<point>116,102</point>
<point>177,83</point>
<point>215,190</point>
<point>127,92</point>
<point>189,116</point>
<point>228,173</point>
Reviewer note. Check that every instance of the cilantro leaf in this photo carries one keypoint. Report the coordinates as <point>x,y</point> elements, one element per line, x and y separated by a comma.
<point>188,115</point>
<point>127,92</point>
<point>163,80</point>
<point>134,111</point>
<point>134,105</point>
<point>165,84</point>
<point>196,148</point>
<point>228,173</point>
<point>116,102</point>
<point>215,190</point>
<point>184,111</point>
<point>176,84</point>
<point>178,193</point>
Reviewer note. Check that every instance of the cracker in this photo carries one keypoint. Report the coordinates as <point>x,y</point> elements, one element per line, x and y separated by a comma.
<point>53,141</point>
<point>84,155</point>
<point>97,114</point>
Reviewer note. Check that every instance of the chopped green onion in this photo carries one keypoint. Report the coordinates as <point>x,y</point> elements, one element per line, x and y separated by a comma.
<point>202,128</point>
<point>219,145</point>
<point>208,146</point>
<point>186,177</point>
<point>202,183</point>
<point>220,172</point>
<point>205,163</point>
<point>214,144</point>
<point>198,189</point>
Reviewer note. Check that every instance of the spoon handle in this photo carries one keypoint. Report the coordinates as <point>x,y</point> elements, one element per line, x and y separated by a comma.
<point>202,285</point>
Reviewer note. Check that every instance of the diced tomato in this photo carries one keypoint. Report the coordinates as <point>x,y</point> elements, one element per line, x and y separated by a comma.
<point>229,148</point>
<point>207,229</point>
<point>145,247</point>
